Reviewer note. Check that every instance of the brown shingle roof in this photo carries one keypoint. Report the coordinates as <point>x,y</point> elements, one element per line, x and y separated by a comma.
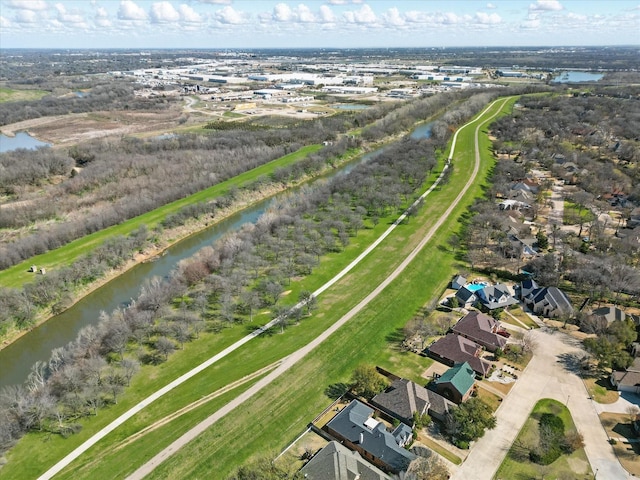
<point>458,350</point>
<point>480,327</point>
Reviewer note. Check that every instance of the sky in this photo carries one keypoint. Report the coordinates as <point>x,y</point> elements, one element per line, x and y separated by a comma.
<point>249,24</point>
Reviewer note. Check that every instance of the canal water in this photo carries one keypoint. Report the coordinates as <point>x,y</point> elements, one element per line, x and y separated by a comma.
<point>16,359</point>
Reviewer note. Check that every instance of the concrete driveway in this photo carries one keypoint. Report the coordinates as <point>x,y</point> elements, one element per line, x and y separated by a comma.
<point>626,400</point>
<point>550,374</point>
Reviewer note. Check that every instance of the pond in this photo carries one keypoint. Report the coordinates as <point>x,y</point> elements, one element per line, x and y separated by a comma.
<point>350,106</point>
<point>577,77</point>
<point>21,140</point>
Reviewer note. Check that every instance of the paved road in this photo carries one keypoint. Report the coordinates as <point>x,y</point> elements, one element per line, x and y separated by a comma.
<point>295,357</point>
<point>285,365</point>
<point>548,375</point>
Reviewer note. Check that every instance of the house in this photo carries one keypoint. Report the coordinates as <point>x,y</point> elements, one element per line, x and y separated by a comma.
<point>404,398</point>
<point>466,297</point>
<point>439,407</point>
<point>456,383</point>
<point>335,462</point>
<point>458,282</point>
<point>609,314</point>
<point>452,349</point>
<point>526,287</point>
<point>356,428</point>
<point>549,302</point>
<point>481,329</point>
<point>628,380</point>
<point>496,296</point>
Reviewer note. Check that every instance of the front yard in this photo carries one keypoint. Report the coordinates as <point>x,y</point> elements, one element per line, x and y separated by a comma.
<point>600,389</point>
<point>627,446</point>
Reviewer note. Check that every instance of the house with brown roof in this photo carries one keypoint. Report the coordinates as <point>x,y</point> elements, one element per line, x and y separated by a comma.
<point>629,379</point>
<point>404,398</point>
<point>452,349</point>
<point>482,329</point>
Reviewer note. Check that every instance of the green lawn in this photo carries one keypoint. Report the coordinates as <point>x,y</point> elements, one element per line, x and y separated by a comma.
<point>18,275</point>
<point>574,214</point>
<point>14,95</point>
<point>515,465</point>
<point>279,413</point>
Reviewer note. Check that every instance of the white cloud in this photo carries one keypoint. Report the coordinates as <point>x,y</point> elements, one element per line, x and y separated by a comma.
<point>326,14</point>
<point>282,13</point>
<point>344,2</point>
<point>101,18</point>
<point>229,16</point>
<point>216,2</point>
<point>4,23</point>
<point>531,23</point>
<point>189,15</point>
<point>392,17</point>
<point>414,16</point>
<point>545,6</point>
<point>491,6</point>
<point>163,12</point>
<point>26,16</point>
<point>364,16</point>
<point>129,10</point>
<point>305,15</point>
<point>34,5</point>
<point>488,18</point>
<point>75,18</point>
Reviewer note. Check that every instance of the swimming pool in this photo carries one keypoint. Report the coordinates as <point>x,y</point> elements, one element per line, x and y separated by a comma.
<point>474,287</point>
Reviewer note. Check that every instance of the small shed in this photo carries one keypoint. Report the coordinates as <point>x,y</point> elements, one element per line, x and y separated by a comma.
<point>33,269</point>
<point>458,282</point>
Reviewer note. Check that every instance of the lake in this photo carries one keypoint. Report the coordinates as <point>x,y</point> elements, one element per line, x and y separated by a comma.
<point>21,140</point>
<point>577,77</point>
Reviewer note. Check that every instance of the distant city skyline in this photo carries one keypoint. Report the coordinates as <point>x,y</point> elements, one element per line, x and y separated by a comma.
<point>312,23</point>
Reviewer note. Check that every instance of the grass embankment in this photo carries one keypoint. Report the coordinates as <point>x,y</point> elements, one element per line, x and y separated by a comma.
<point>575,465</point>
<point>275,416</point>
<point>13,95</point>
<point>18,275</point>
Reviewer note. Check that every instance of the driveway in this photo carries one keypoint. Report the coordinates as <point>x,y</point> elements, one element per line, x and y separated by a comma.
<point>626,401</point>
<point>548,375</point>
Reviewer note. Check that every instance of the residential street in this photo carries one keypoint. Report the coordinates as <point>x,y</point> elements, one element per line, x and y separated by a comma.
<point>548,375</point>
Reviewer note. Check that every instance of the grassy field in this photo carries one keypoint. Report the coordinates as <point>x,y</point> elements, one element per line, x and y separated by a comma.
<point>520,315</point>
<point>18,275</point>
<point>13,95</point>
<point>279,413</point>
<point>575,465</point>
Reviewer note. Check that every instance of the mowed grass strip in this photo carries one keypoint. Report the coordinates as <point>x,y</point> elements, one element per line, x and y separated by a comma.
<point>265,350</point>
<point>18,275</point>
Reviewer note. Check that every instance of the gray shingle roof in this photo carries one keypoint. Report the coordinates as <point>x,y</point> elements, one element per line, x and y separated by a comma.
<point>336,462</point>
<point>376,440</point>
<point>403,398</point>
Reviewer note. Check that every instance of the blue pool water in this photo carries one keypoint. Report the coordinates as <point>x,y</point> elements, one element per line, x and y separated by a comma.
<point>474,287</point>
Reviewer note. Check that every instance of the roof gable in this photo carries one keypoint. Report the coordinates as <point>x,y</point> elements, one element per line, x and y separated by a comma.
<point>480,328</point>
<point>461,377</point>
<point>336,462</point>
<point>403,398</point>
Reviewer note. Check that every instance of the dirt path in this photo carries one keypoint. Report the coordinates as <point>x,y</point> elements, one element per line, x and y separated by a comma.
<point>292,359</point>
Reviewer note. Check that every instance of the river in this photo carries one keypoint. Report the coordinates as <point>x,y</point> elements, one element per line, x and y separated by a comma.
<point>17,358</point>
